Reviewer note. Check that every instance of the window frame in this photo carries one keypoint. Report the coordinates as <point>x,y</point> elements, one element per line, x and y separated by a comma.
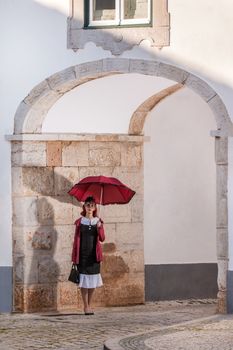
<point>119,20</point>
<point>117,39</point>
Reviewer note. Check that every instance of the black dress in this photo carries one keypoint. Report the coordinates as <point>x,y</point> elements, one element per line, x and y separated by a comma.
<point>88,236</point>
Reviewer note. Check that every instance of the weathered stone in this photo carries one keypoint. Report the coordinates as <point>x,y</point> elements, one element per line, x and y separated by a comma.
<point>109,248</point>
<point>110,232</point>
<point>64,266</point>
<point>220,112</point>
<point>222,273</point>
<point>143,67</point>
<point>222,243</point>
<point>222,217</point>
<point>104,154</point>
<point>116,213</point>
<point>38,180</point>
<point>40,297</point>
<point>137,122</point>
<point>98,298</point>
<point>68,296</point>
<point>64,179</point>
<point>160,13</point>
<point>200,87</point>
<point>106,137</point>
<point>113,65</point>
<point>30,269</point>
<point>131,154</point>
<point>37,93</point>
<point>54,210</point>
<point>125,291</point>
<point>48,269</point>
<point>137,208</point>
<point>129,235</point>
<point>25,269</point>
<point>19,268</point>
<point>134,260</point>
<point>18,240</point>
<point>222,302</point>
<point>95,171</point>
<point>63,81</point>
<point>41,238</point>
<point>75,154</point>
<point>45,103</point>
<point>88,69</point>
<point>19,298</point>
<point>131,177</point>
<point>20,116</point>
<point>35,117</point>
<point>25,211</point>
<point>28,154</point>
<point>76,18</point>
<point>54,153</point>
<point>65,237</point>
<point>221,150</point>
<point>113,267</point>
<point>32,181</point>
<point>171,72</point>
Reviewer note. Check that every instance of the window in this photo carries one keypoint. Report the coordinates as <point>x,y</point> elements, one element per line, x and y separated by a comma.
<point>118,12</point>
<point>108,23</point>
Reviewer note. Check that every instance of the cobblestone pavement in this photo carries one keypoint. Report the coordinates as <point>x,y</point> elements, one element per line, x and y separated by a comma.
<point>68,331</point>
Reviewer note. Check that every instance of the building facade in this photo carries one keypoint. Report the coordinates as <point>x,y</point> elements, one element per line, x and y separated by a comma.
<point>131,89</point>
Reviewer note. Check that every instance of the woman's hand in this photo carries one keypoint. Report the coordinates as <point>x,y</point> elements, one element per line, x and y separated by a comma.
<point>99,223</point>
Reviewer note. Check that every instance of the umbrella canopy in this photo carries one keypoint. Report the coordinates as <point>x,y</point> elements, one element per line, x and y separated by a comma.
<point>105,190</point>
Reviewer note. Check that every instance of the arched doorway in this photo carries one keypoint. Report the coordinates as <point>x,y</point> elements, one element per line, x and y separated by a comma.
<point>180,200</point>
<point>28,141</point>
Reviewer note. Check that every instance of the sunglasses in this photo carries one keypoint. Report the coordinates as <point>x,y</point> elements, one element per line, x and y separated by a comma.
<point>90,205</point>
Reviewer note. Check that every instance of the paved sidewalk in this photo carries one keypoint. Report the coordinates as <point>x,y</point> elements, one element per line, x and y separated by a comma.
<point>159,325</point>
<point>209,333</point>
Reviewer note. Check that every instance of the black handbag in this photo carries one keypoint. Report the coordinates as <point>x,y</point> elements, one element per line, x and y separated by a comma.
<point>74,274</point>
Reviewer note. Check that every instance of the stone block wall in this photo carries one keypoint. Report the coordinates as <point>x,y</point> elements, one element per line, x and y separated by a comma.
<point>44,215</point>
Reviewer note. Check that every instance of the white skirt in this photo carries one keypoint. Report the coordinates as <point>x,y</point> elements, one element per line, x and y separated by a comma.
<point>90,281</point>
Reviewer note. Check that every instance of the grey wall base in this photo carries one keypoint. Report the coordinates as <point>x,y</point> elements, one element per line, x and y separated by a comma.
<point>181,281</point>
<point>5,288</point>
<point>230,292</point>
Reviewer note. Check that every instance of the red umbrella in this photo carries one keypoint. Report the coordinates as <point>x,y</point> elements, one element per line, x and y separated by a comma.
<point>105,190</point>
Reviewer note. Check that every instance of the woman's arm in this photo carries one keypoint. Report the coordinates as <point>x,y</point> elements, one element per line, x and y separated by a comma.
<point>101,233</point>
<point>74,250</point>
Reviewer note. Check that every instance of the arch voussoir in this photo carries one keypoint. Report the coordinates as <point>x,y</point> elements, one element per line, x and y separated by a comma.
<point>33,109</point>
<point>139,116</point>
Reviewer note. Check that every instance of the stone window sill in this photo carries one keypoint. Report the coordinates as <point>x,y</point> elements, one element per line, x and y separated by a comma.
<point>121,38</point>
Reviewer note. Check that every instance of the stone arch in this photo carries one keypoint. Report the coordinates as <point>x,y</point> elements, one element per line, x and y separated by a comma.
<point>138,118</point>
<point>33,109</point>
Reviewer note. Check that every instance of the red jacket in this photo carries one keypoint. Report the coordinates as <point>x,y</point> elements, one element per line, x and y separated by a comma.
<point>76,244</point>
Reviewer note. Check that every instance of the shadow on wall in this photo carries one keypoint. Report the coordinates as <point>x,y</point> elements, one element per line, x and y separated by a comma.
<point>43,243</point>
<point>44,270</point>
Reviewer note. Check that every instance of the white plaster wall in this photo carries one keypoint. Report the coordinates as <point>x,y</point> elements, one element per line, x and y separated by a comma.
<point>180,182</point>
<point>33,46</point>
<point>104,105</point>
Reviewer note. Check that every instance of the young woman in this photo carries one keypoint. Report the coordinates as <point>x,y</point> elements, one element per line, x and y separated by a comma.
<point>87,251</point>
